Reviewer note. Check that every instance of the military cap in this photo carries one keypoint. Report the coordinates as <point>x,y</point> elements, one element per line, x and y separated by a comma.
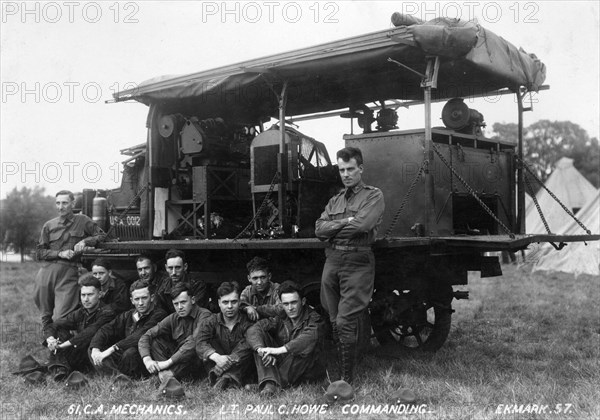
<point>339,391</point>
<point>171,388</point>
<point>76,380</point>
<point>28,364</point>
<point>404,396</point>
<point>35,378</point>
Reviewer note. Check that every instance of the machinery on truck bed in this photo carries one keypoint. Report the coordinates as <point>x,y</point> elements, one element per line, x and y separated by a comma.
<point>212,180</point>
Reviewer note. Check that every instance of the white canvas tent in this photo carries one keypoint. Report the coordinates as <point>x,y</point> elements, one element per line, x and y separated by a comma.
<point>576,257</point>
<point>570,187</point>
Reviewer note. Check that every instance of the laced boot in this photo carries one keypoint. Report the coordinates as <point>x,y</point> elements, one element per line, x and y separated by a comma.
<point>347,359</point>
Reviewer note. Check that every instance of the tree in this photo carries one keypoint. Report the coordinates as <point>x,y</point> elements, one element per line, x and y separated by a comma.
<point>22,215</point>
<point>545,142</point>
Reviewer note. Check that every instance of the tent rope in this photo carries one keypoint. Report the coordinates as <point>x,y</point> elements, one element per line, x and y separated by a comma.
<point>534,175</point>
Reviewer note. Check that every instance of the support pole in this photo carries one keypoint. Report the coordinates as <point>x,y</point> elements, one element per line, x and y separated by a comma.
<point>430,81</point>
<point>520,182</point>
<point>281,157</point>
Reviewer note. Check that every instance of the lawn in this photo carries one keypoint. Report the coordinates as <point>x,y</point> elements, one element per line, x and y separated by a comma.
<point>522,343</point>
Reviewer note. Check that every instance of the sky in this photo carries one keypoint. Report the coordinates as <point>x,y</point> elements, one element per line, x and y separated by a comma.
<point>60,62</point>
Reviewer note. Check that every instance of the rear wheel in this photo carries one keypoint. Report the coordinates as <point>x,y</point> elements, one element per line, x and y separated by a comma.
<point>426,332</point>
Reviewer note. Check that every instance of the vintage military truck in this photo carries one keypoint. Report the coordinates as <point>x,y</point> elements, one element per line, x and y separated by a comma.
<point>214,180</point>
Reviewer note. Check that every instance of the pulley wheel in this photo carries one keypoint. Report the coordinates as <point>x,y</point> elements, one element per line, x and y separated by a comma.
<point>166,125</point>
<point>456,114</point>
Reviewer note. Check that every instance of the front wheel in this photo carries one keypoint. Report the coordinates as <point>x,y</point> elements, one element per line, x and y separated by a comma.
<point>426,331</point>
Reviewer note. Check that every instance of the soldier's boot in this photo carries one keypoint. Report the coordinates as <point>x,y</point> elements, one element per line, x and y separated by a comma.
<point>347,360</point>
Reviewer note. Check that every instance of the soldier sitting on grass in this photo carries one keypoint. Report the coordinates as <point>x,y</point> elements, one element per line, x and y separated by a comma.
<point>114,348</point>
<point>261,298</point>
<point>287,349</point>
<point>220,341</point>
<point>168,348</point>
<point>70,351</point>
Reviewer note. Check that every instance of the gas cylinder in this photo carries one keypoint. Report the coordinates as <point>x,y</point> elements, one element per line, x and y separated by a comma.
<point>99,212</point>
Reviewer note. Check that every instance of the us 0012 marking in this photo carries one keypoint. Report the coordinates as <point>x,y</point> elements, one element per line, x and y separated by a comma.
<point>125,221</point>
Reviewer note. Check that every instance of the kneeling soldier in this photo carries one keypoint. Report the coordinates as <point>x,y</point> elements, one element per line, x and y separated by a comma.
<point>114,348</point>
<point>288,348</point>
<point>221,344</point>
<point>70,351</point>
<point>168,348</point>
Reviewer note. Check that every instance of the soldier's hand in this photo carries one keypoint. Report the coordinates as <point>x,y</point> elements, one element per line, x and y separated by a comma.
<point>79,246</point>
<point>252,314</point>
<point>51,343</point>
<point>151,365</point>
<point>223,362</point>
<point>67,254</point>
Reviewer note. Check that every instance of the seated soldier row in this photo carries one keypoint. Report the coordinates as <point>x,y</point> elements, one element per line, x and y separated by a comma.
<point>266,330</point>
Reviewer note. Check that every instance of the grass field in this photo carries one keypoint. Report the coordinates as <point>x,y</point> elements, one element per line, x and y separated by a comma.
<point>521,340</point>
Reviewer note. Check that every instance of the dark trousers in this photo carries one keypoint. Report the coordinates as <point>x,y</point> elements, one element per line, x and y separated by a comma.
<point>346,289</point>
<point>289,370</point>
<point>56,292</point>
<point>241,373</point>
<point>128,362</point>
<point>71,358</point>
<point>189,367</point>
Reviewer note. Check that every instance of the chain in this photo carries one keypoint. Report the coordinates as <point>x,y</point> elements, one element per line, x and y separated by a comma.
<point>533,174</point>
<point>537,205</point>
<point>124,212</point>
<point>262,206</point>
<point>405,199</point>
<point>471,191</point>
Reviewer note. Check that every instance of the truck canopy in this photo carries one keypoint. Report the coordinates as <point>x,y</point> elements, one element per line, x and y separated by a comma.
<point>354,71</point>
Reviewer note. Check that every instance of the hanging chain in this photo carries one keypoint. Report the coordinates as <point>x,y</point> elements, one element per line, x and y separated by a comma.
<point>537,205</point>
<point>472,192</point>
<point>534,175</point>
<point>405,199</point>
<point>262,206</point>
<point>124,212</point>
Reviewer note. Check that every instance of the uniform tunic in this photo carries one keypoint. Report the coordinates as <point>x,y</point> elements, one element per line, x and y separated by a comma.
<point>125,332</point>
<point>56,292</point>
<point>349,272</point>
<point>213,336</point>
<point>267,305</point>
<point>165,284</point>
<point>85,324</point>
<point>303,342</point>
<point>172,338</point>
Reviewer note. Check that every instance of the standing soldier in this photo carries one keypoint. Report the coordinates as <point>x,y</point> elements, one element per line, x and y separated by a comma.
<point>349,225</point>
<point>62,241</point>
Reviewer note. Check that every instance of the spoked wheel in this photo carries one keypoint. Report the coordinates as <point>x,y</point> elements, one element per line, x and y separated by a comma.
<point>427,332</point>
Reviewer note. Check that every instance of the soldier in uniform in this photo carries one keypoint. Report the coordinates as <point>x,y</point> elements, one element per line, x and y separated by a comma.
<point>114,348</point>
<point>176,268</point>
<point>261,298</point>
<point>114,290</point>
<point>68,338</point>
<point>221,342</point>
<point>349,225</point>
<point>287,348</point>
<point>61,243</point>
<point>168,348</point>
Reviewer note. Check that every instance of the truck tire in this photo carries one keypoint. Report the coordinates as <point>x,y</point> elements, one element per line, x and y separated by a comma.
<point>420,338</point>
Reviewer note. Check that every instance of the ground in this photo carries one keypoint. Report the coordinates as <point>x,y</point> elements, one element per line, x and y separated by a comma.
<point>525,346</point>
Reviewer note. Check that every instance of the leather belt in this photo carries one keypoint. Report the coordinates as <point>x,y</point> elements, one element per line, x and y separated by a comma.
<point>350,248</point>
<point>66,262</point>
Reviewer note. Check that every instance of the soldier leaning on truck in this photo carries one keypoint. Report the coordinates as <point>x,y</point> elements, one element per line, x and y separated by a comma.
<point>349,225</point>
<point>62,241</point>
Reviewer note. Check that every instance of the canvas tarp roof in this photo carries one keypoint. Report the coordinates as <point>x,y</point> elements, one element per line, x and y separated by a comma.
<point>576,257</point>
<point>340,74</point>
<point>570,187</point>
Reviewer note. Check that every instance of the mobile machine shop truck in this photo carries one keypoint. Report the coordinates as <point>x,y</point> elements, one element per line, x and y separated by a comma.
<point>213,180</point>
